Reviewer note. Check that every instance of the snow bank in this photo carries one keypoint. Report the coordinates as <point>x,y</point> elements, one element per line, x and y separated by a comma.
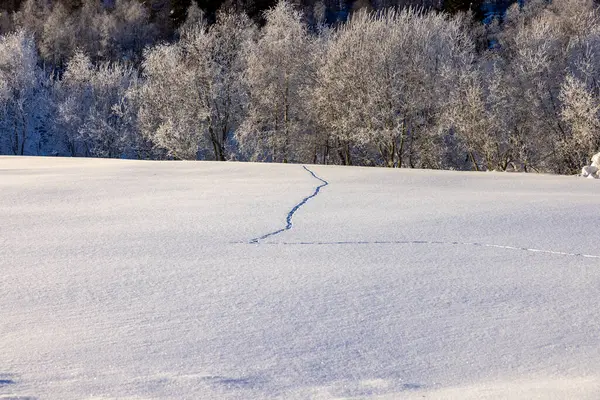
<point>592,171</point>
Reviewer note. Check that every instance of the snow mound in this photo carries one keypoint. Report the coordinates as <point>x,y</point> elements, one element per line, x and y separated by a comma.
<point>592,171</point>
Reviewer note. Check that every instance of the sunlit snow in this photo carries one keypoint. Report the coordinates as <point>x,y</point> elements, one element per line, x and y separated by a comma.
<point>161,280</point>
<point>591,171</point>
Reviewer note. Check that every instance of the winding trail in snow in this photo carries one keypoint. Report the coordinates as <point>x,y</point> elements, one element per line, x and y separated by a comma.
<point>290,215</point>
<point>289,226</point>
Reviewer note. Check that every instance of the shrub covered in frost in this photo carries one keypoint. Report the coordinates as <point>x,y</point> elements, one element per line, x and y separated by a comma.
<point>592,171</point>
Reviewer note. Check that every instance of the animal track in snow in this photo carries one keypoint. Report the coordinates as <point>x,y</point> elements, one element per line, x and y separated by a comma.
<point>290,215</point>
<point>289,225</point>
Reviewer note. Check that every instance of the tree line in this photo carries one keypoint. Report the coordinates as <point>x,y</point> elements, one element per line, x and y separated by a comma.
<point>395,87</point>
<point>169,14</point>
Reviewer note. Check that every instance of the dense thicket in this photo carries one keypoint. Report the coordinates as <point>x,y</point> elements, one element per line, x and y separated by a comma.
<point>397,87</point>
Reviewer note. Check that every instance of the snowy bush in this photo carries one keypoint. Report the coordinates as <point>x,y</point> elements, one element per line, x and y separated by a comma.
<point>592,171</point>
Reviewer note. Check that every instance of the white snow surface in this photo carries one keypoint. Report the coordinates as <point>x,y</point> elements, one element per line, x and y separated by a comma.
<point>136,280</point>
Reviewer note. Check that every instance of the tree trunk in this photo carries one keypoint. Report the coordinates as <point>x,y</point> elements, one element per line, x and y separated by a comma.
<point>286,133</point>
<point>22,150</point>
<point>472,157</point>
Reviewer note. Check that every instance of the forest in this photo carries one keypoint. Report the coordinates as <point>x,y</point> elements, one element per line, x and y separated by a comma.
<point>416,84</point>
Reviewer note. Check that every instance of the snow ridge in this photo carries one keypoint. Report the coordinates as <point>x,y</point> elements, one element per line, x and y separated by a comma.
<point>288,219</point>
<point>496,246</point>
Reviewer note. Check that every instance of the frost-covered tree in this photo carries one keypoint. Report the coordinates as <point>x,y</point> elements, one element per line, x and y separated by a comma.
<point>342,80</point>
<point>58,38</point>
<point>469,117</point>
<point>116,33</point>
<point>31,16</point>
<point>192,97</point>
<point>280,70</point>
<point>6,22</point>
<point>538,44</point>
<point>125,30</point>
<point>216,54</point>
<point>580,112</point>
<point>194,18</point>
<point>94,111</point>
<point>24,99</point>
<point>383,81</point>
<point>171,115</point>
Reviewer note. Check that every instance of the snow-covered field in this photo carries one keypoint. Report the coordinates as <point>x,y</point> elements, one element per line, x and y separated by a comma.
<point>138,280</point>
